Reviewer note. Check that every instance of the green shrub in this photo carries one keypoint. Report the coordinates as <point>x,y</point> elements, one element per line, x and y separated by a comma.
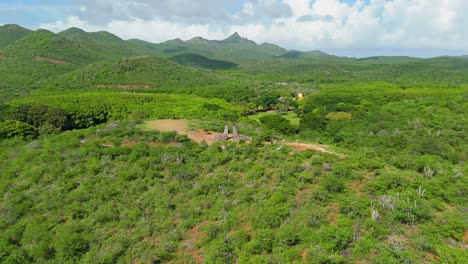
<point>278,123</point>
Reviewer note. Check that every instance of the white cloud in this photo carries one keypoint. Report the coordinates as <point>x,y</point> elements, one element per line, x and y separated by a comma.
<point>299,24</point>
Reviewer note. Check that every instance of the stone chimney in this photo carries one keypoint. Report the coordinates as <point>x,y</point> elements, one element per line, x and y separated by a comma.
<point>234,130</point>
<point>226,129</point>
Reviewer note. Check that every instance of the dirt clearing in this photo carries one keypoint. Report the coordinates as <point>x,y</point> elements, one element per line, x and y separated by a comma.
<point>2,56</point>
<point>39,58</point>
<point>304,146</point>
<point>181,127</point>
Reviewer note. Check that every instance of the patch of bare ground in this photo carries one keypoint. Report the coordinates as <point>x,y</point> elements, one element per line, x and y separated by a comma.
<point>128,143</point>
<point>242,218</point>
<point>357,185</point>
<point>124,86</point>
<point>305,146</point>
<point>155,241</point>
<point>451,207</point>
<point>2,56</point>
<point>53,61</point>
<point>303,195</point>
<point>246,227</point>
<point>181,127</point>
<point>431,257</point>
<point>465,238</point>
<point>332,213</point>
<point>193,236</point>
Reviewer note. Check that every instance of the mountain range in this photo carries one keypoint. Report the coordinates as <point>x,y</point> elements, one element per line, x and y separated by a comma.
<point>28,57</point>
<point>18,40</point>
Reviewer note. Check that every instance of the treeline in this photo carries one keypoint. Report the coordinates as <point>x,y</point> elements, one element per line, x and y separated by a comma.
<point>323,72</point>
<point>34,116</point>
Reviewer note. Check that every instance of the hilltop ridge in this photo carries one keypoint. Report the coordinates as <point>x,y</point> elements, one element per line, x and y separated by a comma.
<point>10,33</point>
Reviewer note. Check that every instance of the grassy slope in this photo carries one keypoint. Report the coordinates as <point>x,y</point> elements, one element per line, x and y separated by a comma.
<point>11,33</point>
<point>108,43</point>
<point>234,48</point>
<point>199,61</point>
<point>292,117</point>
<point>151,71</point>
<point>47,44</point>
<point>20,70</point>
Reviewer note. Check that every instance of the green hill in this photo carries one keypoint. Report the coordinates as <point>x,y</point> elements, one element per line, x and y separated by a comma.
<point>177,46</point>
<point>11,33</point>
<point>108,43</point>
<point>43,43</point>
<point>41,55</point>
<point>136,72</point>
<point>234,48</point>
<point>199,61</point>
<point>453,63</point>
<point>289,55</point>
<point>144,45</point>
<point>316,71</point>
<point>388,60</point>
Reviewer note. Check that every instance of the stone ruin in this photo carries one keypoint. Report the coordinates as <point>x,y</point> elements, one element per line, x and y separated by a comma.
<point>224,136</point>
<point>235,135</point>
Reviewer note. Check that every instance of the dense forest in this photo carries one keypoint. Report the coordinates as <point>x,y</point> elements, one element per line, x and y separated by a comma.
<point>344,160</point>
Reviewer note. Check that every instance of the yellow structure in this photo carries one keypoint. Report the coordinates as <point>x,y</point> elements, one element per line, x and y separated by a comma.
<point>300,96</point>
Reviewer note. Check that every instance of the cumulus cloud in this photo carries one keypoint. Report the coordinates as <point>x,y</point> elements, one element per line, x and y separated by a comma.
<point>295,24</point>
<point>271,9</point>
<point>195,12</point>
<point>312,18</point>
<point>105,11</point>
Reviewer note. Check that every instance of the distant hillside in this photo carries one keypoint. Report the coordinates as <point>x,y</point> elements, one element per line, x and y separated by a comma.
<point>234,48</point>
<point>453,63</point>
<point>11,33</point>
<point>316,53</point>
<point>108,43</point>
<point>36,56</point>
<point>199,61</point>
<point>353,71</point>
<point>43,43</point>
<point>388,59</point>
<point>25,73</point>
<point>138,72</point>
<point>145,45</point>
<point>289,55</point>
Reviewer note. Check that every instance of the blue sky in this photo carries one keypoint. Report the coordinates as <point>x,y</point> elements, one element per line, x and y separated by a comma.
<point>347,27</point>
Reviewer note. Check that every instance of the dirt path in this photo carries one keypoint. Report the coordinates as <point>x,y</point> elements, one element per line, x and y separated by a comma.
<point>2,56</point>
<point>181,127</point>
<point>39,58</point>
